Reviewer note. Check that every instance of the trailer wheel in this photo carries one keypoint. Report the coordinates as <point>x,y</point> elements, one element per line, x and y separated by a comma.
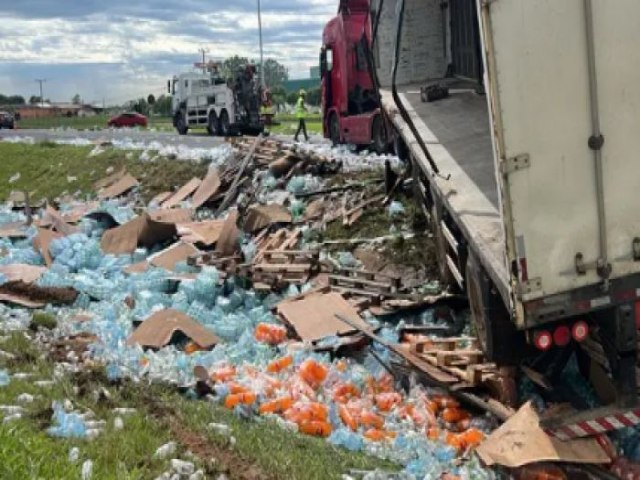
<point>378,137</point>
<point>501,342</point>
<point>446,277</point>
<point>223,124</point>
<point>334,129</point>
<point>181,124</point>
<point>212,124</point>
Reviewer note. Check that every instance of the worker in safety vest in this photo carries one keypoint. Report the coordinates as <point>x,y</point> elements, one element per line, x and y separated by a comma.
<point>301,109</point>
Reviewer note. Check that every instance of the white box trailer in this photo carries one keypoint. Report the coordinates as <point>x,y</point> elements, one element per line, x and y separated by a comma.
<point>527,170</point>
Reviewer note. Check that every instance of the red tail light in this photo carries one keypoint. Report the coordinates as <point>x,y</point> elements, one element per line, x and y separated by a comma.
<point>562,336</point>
<point>638,315</point>
<point>580,331</point>
<point>543,340</point>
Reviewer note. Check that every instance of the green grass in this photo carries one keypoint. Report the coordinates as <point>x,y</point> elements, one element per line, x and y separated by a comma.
<point>27,451</point>
<point>46,170</point>
<point>43,320</point>
<point>85,123</point>
<point>288,124</point>
<point>262,449</point>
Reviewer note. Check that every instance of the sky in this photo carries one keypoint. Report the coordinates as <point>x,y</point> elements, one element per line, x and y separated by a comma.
<point>117,50</point>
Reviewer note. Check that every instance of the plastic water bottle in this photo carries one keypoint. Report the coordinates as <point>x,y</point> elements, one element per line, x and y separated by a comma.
<point>87,470</point>
<point>74,454</point>
<point>182,468</point>
<point>118,423</point>
<point>220,428</point>
<point>165,450</point>
<point>4,378</point>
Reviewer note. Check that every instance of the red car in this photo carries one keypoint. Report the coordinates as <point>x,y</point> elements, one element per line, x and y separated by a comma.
<point>128,120</point>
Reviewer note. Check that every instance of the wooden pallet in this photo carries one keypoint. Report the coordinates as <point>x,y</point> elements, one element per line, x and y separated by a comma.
<point>467,362</point>
<point>365,280</point>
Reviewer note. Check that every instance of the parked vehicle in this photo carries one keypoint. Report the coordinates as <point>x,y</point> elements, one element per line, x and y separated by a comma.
<point>350,102</point>
<point>7,120</point>
<point>521,124</point>
<point>130,119</point>
<point>207,100</point>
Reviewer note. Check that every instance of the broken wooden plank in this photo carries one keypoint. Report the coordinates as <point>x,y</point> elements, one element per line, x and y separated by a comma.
<point>231,192</point>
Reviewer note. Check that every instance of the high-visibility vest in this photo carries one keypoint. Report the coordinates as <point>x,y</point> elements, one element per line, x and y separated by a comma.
<point>300,108</point>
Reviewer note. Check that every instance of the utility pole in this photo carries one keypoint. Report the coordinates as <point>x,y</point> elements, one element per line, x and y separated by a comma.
<point>261,51</point>
<point>204,52</point>
<point>41,81</point>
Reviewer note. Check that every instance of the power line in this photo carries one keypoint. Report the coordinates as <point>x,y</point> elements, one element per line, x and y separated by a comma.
<point>41,81</point>
<point>204,51</point>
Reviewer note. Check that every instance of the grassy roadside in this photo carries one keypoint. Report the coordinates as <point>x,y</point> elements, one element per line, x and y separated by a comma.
<point>48,170</point>
<point>85,123</point>
<point>287,124</point>
<point>261,450</point>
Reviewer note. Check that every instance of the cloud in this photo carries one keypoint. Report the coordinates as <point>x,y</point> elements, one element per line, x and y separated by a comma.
<point>120,49</point>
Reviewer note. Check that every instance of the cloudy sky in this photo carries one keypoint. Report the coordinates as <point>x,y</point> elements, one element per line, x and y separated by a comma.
<point>119,49</point>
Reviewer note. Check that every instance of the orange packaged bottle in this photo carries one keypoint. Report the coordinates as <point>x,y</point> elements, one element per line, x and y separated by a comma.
<point>433,433</point>
<point>343,392</point>
<point>313,372</point>
<point>370,419</point>
<point>387,400</point>
<point>269,333</point>
<point>234,399</point>
<point>236,388</point>
<point>317,428</point>
<point>377,435</point>
<point>471,438</point>
<point>279,364</point>
<point>347,418</point>
<point>454,415</point>
<point>278,405</point>
<point>454,440</point>
<point>223,374</point>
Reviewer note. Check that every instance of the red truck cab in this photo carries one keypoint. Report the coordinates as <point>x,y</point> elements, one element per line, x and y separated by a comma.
<point>350,103</point>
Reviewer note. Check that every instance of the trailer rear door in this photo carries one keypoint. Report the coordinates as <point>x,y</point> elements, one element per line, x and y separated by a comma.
<point>537,63</point>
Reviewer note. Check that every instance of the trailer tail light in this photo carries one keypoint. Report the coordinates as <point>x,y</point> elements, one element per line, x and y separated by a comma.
<point>562,336</point>
<point>580,331</point>
<point>638,314</point>
<point>542,340</point>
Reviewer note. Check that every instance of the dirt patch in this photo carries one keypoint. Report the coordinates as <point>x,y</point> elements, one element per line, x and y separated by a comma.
<point>225,460</point>
<point>42,418</point>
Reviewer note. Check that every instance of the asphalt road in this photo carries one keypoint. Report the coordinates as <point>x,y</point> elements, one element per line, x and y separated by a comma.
<point>192,140</point>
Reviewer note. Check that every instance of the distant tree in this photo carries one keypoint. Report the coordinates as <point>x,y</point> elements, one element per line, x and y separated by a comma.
<point>11,100</point>
<point>313,96</point>
<point>34,100</point>
<point>151,99</point>
<point>162,106</point>
<point>231,66</point>
<point>292,98</point>
<point>76,100</point>
<point>275,74</point>
<point>141,106</point>
<point>279,95</point>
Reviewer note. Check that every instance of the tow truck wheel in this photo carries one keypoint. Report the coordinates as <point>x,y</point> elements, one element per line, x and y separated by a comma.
<point>446,277</point>
<point>181,124</point>
<point>378,137</point>
<point>334,129</point>
<point>212,124</point>
<point>223,124</point>
<point>499,339</point>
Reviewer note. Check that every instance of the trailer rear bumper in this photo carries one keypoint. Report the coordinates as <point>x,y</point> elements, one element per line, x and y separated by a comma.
<point>583,301</point>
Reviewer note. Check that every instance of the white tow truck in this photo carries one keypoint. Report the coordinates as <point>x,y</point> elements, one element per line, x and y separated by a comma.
<point>208,100</point>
